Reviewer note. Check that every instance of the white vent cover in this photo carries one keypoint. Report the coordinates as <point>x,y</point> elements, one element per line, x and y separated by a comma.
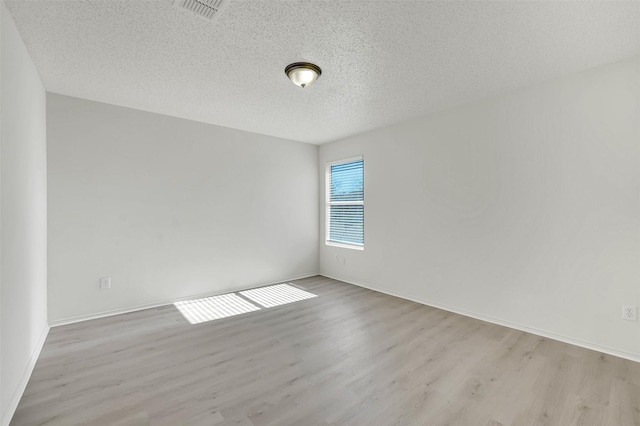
<point>208,9</point>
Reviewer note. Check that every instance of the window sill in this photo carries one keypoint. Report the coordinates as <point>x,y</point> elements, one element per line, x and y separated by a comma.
<point>344,245</point>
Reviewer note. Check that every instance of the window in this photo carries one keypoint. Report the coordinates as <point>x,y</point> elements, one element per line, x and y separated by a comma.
<point>345,203</point>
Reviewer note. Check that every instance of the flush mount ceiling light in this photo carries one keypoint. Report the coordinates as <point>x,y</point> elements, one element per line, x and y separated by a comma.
<point>302,73</point>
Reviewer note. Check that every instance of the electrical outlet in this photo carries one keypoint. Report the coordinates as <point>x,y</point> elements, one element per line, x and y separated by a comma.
<point>630,312</point>
<point>343,261</point>
<point>105,283</point>
<point>337,258</point>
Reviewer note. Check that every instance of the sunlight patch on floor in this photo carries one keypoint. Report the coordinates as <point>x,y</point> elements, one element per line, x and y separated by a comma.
<point>276,295</point>
<point>212,308</point>
<point>227,305</point>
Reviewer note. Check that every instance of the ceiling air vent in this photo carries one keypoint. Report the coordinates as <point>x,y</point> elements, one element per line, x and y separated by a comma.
<point>208,9</point>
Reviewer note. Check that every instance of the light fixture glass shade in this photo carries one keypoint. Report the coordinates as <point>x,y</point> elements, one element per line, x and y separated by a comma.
<point>302,74</point>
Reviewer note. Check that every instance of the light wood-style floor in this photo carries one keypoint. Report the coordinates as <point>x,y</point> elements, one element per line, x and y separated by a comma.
<point>348,357</point>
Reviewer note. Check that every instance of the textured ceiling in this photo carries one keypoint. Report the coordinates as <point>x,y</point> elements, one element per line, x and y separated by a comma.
<point>382,61</point>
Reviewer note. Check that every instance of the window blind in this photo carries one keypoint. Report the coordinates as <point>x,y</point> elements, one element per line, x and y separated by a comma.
<point>346,202</point>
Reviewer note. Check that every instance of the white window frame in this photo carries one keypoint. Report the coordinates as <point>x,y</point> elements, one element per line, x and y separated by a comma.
<point>328,204</point>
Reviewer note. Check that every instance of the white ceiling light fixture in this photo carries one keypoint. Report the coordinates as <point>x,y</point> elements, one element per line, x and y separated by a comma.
<point>302,74</point>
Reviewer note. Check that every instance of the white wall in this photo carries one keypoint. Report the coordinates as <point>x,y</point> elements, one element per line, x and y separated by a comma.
<point>170,208</point>
<point>523,209</point>
<point>23,192</point>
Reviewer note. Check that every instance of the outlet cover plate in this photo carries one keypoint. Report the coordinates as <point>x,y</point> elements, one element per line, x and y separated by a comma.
<point>105,283</point>
<point>630,312</point>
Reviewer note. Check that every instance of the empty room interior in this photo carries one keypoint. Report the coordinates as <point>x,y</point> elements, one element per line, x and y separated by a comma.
<point>252,212</point>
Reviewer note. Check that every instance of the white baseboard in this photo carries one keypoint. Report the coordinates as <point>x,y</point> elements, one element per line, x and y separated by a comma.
<point>135,308</point>
<point>17,394</point>
<point>505,323</point>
